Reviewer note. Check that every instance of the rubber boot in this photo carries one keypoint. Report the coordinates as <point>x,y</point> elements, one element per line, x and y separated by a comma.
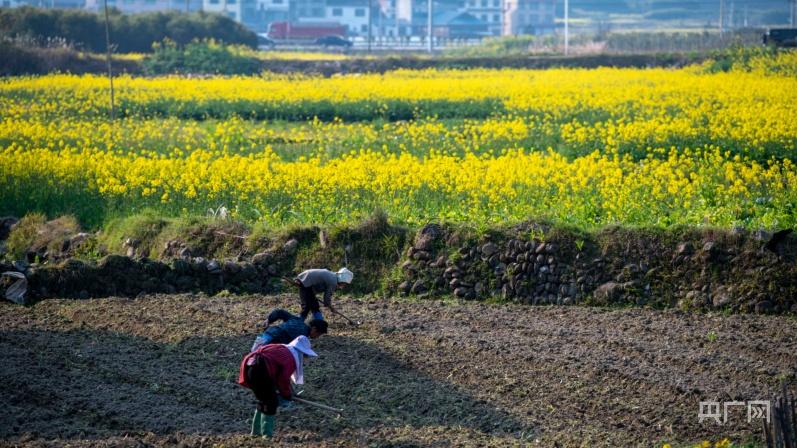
<point>267,428</point>
<point>257,423</point>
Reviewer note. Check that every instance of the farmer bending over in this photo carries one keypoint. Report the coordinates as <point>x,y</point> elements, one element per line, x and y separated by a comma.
<point>313,281</point>
<point>268,370</point>
<point>292,327</point>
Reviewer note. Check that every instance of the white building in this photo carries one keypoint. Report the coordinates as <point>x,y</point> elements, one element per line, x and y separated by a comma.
<point>394,21</point>
<point>529,17</point>
<point>243,11</point>
<point>307,10</point>
<point>351,13</point>
<point>272,11</point>
<point>403,9</point>
<point>491,12</point>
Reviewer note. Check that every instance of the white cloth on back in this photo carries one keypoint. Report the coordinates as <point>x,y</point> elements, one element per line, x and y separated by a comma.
<point>300,347</point>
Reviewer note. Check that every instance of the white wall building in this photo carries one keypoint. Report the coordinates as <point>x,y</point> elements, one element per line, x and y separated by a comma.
<point>307,10</point>
<point>390,22</point>
<point>351,13</point>
<point>490,12</point>
<point>243,11</point>
<point>272,11</point>
<point>529,17</point>
<point>403,10</point>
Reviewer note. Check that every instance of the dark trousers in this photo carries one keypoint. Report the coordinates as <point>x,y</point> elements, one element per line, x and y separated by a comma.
<point>263,386</point>
<point>309,301</point>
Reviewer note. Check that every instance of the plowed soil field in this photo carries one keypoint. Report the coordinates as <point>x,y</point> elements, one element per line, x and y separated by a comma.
<point>161,371</point>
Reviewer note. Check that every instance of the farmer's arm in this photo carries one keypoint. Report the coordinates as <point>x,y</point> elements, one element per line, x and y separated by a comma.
<point>328,296</point>
<point>280,315</point>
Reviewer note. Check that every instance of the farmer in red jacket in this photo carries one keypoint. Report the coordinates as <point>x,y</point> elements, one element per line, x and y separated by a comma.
<point>271,369</point>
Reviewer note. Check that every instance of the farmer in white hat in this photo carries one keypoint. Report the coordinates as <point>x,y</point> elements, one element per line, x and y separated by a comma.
<point>271,369</point>
<point>313,281</point>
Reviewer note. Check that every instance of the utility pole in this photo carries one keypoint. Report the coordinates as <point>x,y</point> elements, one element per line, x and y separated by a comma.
<point>793,20</point>
<point>429,26</point>
<point>745,15</point>
<point>108,54</point>
<point>370,27</point>
<point>731,21</point>
<point>567,26</point>
<point>722,17</point>
<point>186,6</point>
<point>398,26</point>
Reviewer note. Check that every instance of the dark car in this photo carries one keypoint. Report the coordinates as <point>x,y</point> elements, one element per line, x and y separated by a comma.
<point>263,41</point>
<point>333,41</point>
<point>781,37</point>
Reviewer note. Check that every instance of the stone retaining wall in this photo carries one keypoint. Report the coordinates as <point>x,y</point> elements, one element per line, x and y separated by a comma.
<point>739,271</point>
<point>531,263</point>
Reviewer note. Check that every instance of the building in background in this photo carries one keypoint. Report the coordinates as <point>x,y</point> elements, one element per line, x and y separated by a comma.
<point>459,25</point>
<point>490,12</point>
<point>420,13</point>
<point>269,11</point>
<point>390,22</point>
<point>529,17</point>
<point>61,4</point>
<point>307,10</point>
<point>353,14</point>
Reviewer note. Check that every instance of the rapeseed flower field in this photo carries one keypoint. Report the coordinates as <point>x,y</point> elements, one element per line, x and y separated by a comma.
<point>585,147</point>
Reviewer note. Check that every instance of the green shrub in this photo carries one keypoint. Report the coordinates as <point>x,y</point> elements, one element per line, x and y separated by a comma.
<point>145,227</point>
<point>206,57</point>
<point>503,46</point>
<point>23,235</point>
<point>768,60</point>
<point>17,60</point>
<point>680,41</point>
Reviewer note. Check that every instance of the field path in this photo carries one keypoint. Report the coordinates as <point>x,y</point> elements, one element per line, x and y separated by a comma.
<point>161,371</point>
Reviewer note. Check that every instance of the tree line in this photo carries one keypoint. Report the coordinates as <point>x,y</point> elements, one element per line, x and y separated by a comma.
<point>130,33</point>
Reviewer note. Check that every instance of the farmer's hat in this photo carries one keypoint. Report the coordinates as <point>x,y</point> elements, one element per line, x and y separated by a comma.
<point>344,275</point>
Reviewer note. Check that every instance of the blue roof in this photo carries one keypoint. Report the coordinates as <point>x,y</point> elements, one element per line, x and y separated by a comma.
<point>455,18</point>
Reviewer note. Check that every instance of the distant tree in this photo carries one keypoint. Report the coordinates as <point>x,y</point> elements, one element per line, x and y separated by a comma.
<point>130,33</point>
<point>81,28</point>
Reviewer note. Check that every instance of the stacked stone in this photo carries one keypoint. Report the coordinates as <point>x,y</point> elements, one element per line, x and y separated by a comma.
<point>525,271</point>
